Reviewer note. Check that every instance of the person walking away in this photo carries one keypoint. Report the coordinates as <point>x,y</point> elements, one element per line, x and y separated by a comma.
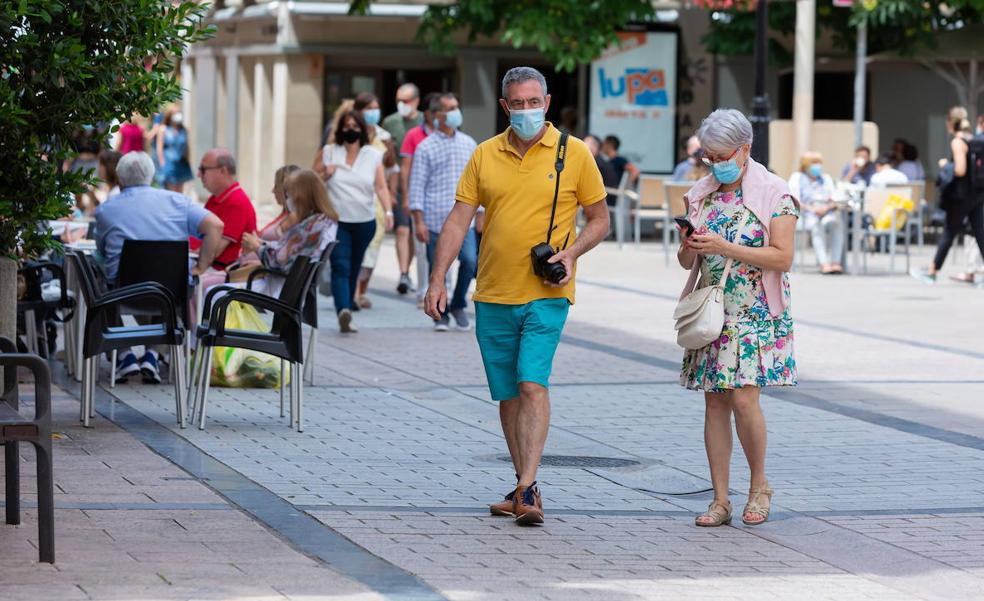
<point>230,203</point>
<point>438,164</point>
<point>520,313</point>
<point>382,140</point>
<point>413,139</point>
<point>815,191</point>
<point>140,212</point>
<point>745,222</point>
<point>172,152</point>
<point>406,117</point>
<point>131,137</point>
<point>961,189</point>
<point>354,174</point>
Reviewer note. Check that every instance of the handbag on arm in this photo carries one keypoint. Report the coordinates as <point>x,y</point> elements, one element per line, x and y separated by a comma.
<point>699,314</point>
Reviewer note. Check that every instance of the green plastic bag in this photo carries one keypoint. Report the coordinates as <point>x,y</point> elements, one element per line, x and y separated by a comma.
<point>241,368</point>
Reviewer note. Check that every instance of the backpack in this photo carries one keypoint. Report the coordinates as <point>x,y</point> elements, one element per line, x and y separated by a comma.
<point>975,165</point>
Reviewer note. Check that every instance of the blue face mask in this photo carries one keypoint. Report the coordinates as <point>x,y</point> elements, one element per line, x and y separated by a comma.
<point>815,170</point>
<point>454,119</point>
<point>371,116</point>
<point>726,172</point>
<point>527,123</point>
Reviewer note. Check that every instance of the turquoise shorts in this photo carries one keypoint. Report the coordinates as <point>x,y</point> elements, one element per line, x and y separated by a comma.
<point>518,342</point>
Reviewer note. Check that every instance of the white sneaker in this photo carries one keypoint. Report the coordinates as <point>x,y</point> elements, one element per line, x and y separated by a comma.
<point>441,325</point>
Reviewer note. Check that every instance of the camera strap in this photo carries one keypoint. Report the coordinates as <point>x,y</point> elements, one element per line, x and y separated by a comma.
<point>558,166</point>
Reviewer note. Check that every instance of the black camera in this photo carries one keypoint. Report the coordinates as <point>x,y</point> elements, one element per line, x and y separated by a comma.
<point>551,272</point>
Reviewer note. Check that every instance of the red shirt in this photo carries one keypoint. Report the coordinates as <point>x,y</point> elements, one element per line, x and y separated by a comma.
<point>131,138</point>
<point>413,139</point>
<point>236,211</point>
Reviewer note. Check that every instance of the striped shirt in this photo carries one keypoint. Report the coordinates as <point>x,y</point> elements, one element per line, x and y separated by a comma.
<point>437,165</point>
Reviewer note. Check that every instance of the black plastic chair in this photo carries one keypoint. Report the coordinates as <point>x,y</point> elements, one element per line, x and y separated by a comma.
<point>103,332</point>
<point>15,428</point>
<point>309,315</point>
<point>284,340</point>
<point>33,307</point>
<point>169,259</point>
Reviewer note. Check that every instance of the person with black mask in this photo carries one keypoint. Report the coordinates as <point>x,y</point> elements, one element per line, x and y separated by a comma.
<point>354,174</point>
<point>958,196</point>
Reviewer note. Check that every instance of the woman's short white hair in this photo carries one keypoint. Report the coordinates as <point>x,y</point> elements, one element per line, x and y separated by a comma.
<point>724,130</point>
<point>135,169</point>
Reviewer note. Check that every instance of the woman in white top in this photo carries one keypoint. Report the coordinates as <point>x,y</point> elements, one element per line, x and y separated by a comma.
<point>353,171</point>
<point>380,139</point>
<point>815,190</point>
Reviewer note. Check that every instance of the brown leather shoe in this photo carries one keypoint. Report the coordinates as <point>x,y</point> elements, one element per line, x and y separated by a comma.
<point>505,507</point>
<point>528,505</point>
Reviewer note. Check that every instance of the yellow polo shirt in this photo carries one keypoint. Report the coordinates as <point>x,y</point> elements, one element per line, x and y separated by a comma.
<point>517,192</point>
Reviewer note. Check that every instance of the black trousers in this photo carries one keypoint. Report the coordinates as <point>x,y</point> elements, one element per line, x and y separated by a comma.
<point>954,227</point>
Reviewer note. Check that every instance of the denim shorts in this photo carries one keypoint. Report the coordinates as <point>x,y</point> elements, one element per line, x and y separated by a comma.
<point>518,342</point>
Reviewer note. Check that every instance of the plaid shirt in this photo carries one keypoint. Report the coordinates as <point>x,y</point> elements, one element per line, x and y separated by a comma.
<point>437,166</point>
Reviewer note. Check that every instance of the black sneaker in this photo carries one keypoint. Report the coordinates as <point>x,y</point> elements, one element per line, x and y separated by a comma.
<point>149,368</point>
<point>405,284</point>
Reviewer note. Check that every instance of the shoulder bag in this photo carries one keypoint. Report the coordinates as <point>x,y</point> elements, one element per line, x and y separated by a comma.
<point>699,314</point>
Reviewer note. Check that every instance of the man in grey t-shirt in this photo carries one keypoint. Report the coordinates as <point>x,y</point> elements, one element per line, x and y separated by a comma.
<point>140,212</point>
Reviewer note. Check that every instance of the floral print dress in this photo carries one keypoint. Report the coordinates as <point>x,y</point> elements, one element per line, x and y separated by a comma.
<point>755,348</point>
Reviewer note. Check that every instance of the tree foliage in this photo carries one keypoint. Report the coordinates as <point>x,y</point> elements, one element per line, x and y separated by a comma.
<point>70,64</point>
<point>903,26</point>
<point>568,32</point>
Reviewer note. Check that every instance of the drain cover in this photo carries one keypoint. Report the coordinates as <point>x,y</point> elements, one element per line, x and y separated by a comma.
<point>580,461</point>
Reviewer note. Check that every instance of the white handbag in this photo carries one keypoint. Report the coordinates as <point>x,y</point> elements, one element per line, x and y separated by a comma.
<point>699,314</point>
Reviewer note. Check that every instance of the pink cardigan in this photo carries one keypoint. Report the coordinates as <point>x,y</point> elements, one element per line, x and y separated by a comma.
<point>761,191</point>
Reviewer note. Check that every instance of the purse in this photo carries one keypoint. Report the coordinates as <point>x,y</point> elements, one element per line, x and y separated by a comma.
<point>699,314</point>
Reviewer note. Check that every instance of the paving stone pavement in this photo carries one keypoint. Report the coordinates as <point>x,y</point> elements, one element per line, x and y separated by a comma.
<point>876,457</point>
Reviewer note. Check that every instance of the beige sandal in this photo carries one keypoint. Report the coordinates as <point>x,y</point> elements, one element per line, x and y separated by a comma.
<point>754,508</point>
<point>720,514</point>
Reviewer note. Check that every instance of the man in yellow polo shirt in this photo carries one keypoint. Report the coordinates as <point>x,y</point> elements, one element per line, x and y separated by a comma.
<point>519,315</point>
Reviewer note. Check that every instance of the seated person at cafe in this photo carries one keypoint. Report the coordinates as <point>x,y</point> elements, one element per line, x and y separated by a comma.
<point>815,191</point>
<point>886,175</point>
<point>315,228</point>
<point>229,202</point>
<point>860,169</point>
<point>140,212</point>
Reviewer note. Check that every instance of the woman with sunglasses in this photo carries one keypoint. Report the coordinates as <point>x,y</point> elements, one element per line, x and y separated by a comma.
<point>745,219</point>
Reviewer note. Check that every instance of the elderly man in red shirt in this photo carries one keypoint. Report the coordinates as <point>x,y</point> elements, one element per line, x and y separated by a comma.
<point>228,202</point>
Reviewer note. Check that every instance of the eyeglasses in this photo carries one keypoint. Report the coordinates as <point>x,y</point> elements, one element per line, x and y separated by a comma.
<point>518,104</point>
<point>202,168</point>
<point>707,161</point>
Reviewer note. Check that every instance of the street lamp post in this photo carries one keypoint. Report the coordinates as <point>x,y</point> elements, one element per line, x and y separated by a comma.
<point>760,104</point>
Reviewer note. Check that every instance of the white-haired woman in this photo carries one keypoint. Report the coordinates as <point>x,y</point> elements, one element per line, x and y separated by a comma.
<point>745,219</point>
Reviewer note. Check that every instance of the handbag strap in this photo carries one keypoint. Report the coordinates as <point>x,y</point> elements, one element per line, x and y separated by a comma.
<point>695,269</point>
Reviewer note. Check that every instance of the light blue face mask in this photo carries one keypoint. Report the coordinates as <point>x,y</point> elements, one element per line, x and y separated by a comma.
<point>527,123</point>
<point>454,119</point>
<point>816,170</point>
<point>371,116</point>
<point>726,172</point>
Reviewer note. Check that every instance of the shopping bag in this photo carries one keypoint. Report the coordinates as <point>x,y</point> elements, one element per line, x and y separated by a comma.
<point>895,204</point>
<point>242,368</point>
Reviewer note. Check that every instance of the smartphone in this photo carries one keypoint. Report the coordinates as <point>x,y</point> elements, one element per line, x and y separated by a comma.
<point>684,223</point>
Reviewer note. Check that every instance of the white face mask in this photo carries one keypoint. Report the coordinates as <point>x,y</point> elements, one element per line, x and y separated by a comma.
<point>404,109</point>
<point>177,118</point>
<point>289,204</point>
